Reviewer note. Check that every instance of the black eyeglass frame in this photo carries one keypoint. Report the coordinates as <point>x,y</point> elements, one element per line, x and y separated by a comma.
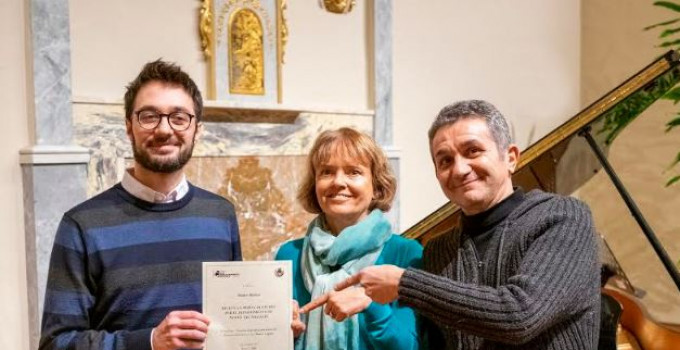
<point>166,115</point>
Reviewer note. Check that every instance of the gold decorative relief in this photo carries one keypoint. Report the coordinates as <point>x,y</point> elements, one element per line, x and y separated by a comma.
<point>283,30</point>
<point>337,6</point>
<point>246,55</point>
<point>205,28</point>
<point>244,43</point>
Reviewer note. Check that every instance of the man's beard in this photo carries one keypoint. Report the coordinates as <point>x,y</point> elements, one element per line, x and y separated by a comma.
<point>166,166</point>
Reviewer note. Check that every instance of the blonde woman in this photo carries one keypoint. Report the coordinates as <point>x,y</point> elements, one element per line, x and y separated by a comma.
<point>349,185</point>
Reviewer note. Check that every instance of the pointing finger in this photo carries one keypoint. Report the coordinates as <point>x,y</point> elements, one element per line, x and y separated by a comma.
<point>350,281</point>
<point>314,304</point>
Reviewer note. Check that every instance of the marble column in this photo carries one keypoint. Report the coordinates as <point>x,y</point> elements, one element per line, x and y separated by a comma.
<point>382,71</point>
<point>54,170</point>
<point>381,40</point>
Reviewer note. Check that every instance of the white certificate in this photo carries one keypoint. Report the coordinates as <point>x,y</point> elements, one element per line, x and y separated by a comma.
<point>249,305</point>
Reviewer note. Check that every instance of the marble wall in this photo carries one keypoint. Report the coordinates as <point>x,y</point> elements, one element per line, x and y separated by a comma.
<point>254,159</point>
<point>263,190</point>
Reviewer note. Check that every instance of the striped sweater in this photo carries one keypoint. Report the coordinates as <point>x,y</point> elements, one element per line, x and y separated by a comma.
<point>119,265</point>
<point>537,287</point>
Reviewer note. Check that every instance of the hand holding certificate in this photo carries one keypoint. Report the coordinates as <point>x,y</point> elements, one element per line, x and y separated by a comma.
<point>249,305</point>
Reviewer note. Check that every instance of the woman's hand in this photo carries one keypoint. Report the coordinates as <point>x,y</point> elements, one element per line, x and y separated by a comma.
<point>297,326</point>
<point>342,304</point>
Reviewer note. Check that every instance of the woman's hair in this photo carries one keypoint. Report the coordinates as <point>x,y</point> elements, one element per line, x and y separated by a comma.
<point>351,144</point>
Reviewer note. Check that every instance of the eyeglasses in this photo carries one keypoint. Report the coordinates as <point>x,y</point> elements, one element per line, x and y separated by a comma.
<point>179,121</point>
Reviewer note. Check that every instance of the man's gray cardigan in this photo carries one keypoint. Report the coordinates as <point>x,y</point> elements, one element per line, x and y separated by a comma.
<point>537,287</point>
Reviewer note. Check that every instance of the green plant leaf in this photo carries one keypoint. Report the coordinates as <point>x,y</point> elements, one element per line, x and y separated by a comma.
<point>669,5</point>
<point>670,43</point>
<point>673,123</point>
<point>673,180</point>
<point>672,94</point>
<point>668,32</point>
<point>662,24</point>
<point>675,161</point>
<point>617,118</point>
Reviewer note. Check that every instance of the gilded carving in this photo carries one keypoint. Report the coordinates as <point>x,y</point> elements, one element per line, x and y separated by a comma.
<point>284,30</point>
<point>205,28</point>
<point>246,54</point>
<point>337,6</point>
<point>244,65</point>
<point>231,6</point>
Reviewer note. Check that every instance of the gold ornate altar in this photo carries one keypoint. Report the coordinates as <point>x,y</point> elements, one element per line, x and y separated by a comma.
<point>243,41</point>
<point>253,148</point>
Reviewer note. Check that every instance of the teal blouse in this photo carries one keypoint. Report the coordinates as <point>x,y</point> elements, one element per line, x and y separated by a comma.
<point>390,326</point>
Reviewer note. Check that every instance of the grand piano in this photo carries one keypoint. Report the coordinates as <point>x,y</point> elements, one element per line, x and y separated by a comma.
<point>571,156</point>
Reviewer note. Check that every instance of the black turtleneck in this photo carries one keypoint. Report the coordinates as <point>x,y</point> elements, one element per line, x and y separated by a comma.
<point>482,225</point>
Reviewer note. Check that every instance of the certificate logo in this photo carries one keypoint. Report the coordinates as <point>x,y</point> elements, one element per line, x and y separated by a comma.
<point>222,273</point>
<point>279,272</point>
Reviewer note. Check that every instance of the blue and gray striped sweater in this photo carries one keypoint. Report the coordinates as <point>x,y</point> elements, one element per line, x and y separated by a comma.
<point>119,265</point>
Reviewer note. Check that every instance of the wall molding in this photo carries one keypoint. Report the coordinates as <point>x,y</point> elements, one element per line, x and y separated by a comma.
<point>48,154</point>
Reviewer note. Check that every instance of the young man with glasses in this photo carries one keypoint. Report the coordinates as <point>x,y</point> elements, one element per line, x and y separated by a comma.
<point>125,271</point>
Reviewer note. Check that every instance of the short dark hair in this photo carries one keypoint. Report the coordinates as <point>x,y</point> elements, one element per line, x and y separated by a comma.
<point>165,72</point>
<point>354,145</point>
<point>493,118</point>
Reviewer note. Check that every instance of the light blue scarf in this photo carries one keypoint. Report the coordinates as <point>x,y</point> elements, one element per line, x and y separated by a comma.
<point>354,248</point>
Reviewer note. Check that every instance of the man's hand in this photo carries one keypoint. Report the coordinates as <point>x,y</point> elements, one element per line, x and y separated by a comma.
<point>181,329</point>
<point>297,326</point>
<point>340,305</point>
<point>381,282</point>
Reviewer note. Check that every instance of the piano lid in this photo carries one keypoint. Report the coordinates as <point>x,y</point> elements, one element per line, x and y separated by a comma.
<point>540,163</point>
